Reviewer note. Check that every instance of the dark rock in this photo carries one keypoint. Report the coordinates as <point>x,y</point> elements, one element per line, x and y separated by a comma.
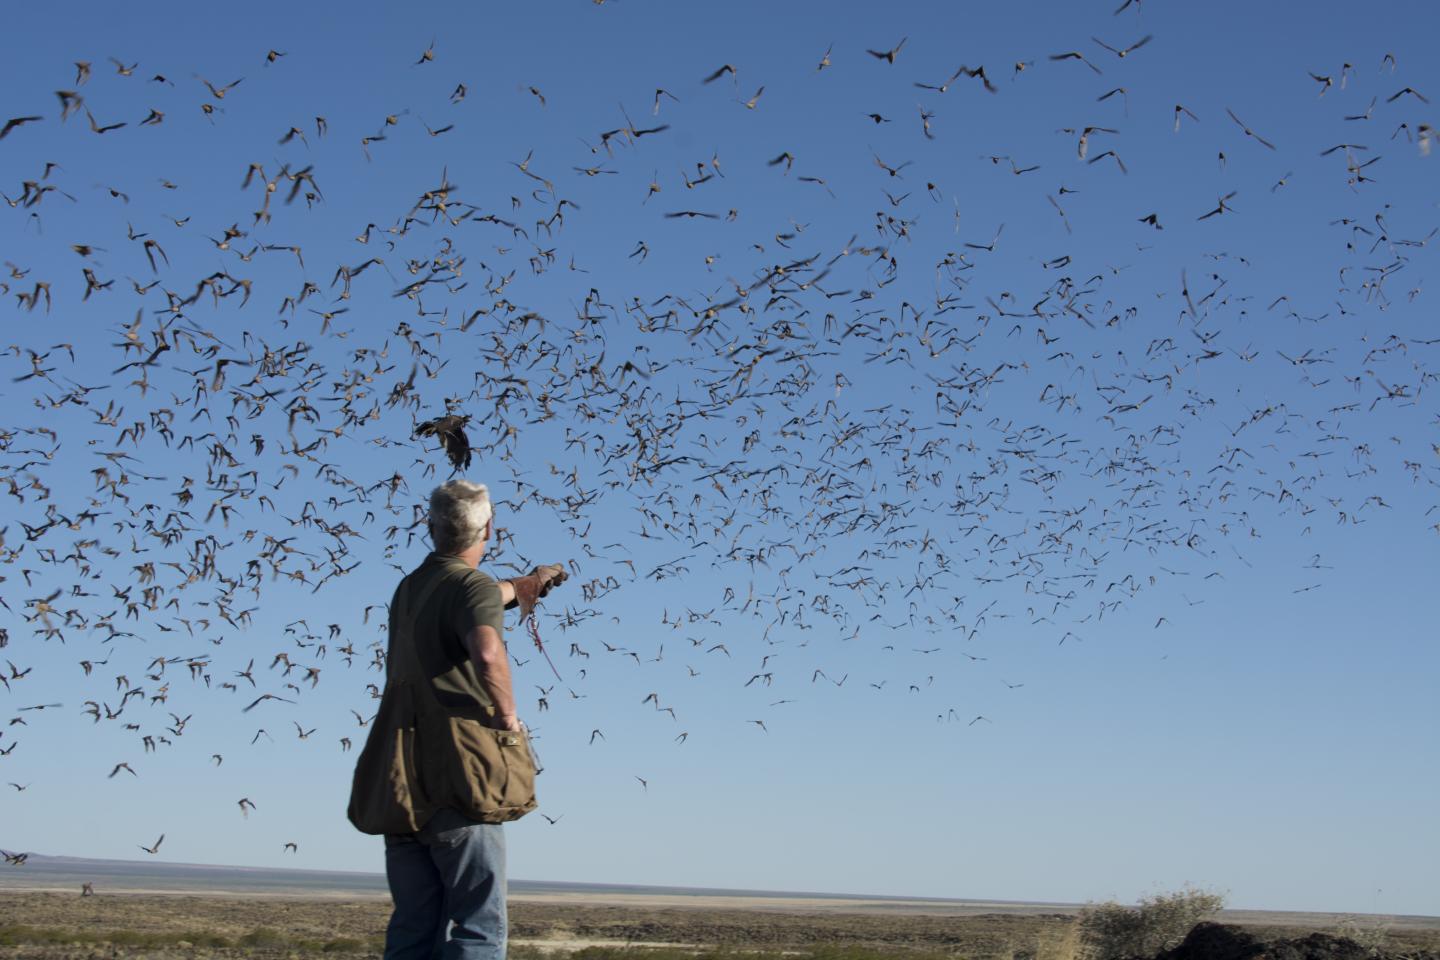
<point>1318,946</point>
<point>1218,941</point>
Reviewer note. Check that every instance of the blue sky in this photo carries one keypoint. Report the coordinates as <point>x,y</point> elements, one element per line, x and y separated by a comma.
<point>1271,736</point>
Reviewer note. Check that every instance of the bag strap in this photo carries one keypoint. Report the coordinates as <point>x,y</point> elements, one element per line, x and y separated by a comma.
<point>425,596</point>
<point>405,619</point>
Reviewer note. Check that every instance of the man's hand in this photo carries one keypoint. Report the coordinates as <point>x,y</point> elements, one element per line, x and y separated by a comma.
<point>506,721</point>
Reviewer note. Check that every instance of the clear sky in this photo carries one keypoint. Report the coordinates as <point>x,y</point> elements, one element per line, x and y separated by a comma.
<point>1113,543</point>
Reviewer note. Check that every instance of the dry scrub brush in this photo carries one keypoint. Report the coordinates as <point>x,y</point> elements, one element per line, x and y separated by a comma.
<point>1372,933</point>
<point>1114,931</point>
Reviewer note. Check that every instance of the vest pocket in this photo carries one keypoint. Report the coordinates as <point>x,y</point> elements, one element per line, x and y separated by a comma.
<point>492,776</point>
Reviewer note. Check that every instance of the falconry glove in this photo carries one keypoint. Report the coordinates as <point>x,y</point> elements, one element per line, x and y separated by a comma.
<point>536,584</point>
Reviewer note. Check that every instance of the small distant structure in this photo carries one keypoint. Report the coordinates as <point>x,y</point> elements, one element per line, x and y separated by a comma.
<point>87,889</point>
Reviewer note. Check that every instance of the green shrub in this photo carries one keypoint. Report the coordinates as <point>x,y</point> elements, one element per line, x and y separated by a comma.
<point>264,937</point>
<point>1114,931</point>
<point>344,945</point>
<point>14,934</point>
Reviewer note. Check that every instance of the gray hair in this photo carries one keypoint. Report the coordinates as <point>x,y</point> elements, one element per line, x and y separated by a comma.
<point>459,511</point>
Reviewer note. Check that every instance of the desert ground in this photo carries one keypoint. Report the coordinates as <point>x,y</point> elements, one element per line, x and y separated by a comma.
<point>64,925</point>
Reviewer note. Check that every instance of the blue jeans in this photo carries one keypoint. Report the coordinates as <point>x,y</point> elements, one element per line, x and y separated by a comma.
<point>452,871</point>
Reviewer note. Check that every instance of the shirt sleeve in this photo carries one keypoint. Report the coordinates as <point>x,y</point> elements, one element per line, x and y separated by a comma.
<point>478,604</point>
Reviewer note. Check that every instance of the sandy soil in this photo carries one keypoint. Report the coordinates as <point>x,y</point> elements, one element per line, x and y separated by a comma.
<point>561,923</point>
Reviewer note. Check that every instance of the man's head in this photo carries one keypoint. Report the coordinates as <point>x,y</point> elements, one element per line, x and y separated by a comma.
<point>460,516</point>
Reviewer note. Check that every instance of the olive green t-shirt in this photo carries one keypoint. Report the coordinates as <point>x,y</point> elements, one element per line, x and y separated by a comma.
<point>463,599</point>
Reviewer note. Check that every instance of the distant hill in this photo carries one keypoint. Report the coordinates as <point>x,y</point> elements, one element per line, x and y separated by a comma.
<point>66,874</point>
<point>42,872</point>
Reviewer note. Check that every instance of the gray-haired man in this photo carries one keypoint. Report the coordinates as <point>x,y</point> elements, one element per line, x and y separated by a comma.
<point>452,870</point>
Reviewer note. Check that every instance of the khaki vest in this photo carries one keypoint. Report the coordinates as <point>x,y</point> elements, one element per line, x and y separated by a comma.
<point>419,758</point>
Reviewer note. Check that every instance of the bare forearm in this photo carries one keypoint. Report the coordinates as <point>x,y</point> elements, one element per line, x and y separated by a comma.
<point>497,686</point>
<point>495,677</point>
<point>492,662</point>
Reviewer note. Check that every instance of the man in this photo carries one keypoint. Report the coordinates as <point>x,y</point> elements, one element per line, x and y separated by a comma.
<point>446,632</point>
